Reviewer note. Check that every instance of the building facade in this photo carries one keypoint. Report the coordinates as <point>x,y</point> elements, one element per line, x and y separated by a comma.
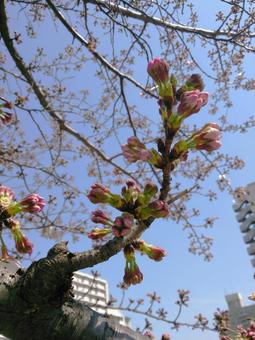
<point>244,207</point>
<point>95,293</point>
<point>239,313</point>
<point>245,215</point>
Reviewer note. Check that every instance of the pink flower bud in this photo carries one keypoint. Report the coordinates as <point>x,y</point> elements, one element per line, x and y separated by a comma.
<point>208,138</point>
<point>159,208</point>
<point>131,184</point>
<point>165,336</point>
<point>24,246</point>
<point>98,234</point>
<point>32,203</point>
<point>155,209</point>
<point>131,191</point>
<point>149,334</point>
<point>5,117</point>
<point>7,105</point>
<point>22,243</point>
<point>150,189</point>
<point>122,224</point>
<point>153,252</point>
<point>6,197</point>
<point>158,70</point>
<point>132,272</point>
<point>132,275</point>
<point>191,102</point>
<point>99,216</point>
<point>195,82</point>
<point>134,151</point>
<point>99,194</point>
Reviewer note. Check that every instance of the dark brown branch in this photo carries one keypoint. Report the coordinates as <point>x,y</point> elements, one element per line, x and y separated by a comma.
<point>126,106</point>
<point>98,57</point>
<point>25,315</point>
<point>139,15</point>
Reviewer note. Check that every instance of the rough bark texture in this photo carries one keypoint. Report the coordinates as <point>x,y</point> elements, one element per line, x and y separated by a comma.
<point>37,304</point>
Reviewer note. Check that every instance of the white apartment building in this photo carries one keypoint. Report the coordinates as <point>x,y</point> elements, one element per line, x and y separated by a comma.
<point>245,215</point>
<point>95,293</point>
<point>244,207</point>
<point>239,313</point>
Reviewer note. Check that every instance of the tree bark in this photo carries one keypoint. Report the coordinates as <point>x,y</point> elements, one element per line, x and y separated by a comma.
<point>37,304</point>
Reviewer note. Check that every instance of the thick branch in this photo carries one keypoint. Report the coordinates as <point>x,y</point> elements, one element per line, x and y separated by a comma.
<point>142,16</point>
<point>22,320</point>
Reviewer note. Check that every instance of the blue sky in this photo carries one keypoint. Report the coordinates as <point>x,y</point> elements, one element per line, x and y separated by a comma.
<point>230,270</point>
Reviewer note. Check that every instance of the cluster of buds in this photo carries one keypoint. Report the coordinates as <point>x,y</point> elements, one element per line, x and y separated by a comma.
<point>32,203</point>
<point>190,96</point>
<point>183,297</point>
<point>5,117</point>
<point>132,272</point>
<point>242,333</point>
<point>136,204</point>
<point>132,199</point>
<point>135,150</point>
<point>153,252</point>
<point>120,227</point>
<point>221,322</point>
<point>142,206</point>
<point>188,99</point>
<point>122,224</point>
<point>246,334</point>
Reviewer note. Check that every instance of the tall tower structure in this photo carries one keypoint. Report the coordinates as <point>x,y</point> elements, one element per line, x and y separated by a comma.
<point>239,313</point>
<point>245,215</point>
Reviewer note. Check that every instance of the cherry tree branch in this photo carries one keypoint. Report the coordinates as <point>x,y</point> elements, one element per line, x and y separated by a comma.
<point>98,57</point>
<point>142,16</point>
